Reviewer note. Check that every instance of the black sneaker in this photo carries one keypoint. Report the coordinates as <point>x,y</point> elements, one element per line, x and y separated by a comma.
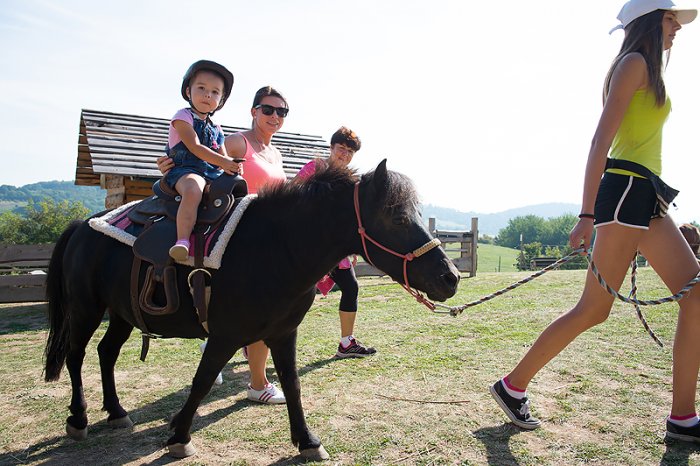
<point>517,410</point>
<point>355,350</point>
<point>686,434</point>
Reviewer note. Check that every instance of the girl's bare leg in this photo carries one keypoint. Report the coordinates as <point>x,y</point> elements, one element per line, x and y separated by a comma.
<point>670,256</point>
<point>614,249</point>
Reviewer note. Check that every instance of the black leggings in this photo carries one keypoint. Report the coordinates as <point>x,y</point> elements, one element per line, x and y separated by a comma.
<point>347,282</point>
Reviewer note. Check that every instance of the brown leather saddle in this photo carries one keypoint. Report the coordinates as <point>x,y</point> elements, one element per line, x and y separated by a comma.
<point>155,230</point>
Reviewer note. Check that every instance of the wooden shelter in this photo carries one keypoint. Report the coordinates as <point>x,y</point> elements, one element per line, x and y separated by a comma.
<point>118,152</point>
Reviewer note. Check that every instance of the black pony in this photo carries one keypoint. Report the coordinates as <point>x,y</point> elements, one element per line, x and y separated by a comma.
<point>289,237</point>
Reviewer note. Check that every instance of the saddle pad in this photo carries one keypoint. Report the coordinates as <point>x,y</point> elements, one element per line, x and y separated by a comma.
<point>116,222</point>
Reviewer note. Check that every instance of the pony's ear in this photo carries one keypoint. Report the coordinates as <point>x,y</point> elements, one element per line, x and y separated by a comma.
<point>380,177</point>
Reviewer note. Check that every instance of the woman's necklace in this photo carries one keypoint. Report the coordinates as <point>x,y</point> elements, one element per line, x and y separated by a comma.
<point>260,143</point>
<point>263,147</point>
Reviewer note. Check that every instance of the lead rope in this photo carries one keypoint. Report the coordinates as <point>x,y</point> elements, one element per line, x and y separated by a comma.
<point>632,299</point>
<point>454,311</point>
<point>652,302</point>
<point>633,295</point>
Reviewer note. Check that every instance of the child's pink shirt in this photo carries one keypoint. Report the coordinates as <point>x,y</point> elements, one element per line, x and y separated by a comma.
<point>184,114</point>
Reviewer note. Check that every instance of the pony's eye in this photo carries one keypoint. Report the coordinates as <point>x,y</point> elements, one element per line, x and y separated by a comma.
<point>400,220</point>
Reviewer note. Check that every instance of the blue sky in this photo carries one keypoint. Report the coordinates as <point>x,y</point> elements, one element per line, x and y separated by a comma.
<point>485,109</point>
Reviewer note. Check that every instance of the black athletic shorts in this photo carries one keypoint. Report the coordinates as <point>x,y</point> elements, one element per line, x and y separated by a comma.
<point>626,200</point>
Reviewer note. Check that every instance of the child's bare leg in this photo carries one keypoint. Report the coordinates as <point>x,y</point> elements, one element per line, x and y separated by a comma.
<point>190,188</point>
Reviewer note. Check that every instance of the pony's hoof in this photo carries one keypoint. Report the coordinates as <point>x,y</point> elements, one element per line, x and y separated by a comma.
<point>121,423</point>
<point>76,434</point>
<point>181,450</point>
<point>315,454</point>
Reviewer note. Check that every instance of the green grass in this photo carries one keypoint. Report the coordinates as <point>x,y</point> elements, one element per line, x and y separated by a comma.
<point>492,258</point>
<point>603,400</point>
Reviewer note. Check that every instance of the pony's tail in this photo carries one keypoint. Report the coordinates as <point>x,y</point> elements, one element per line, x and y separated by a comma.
<point>57,341</point>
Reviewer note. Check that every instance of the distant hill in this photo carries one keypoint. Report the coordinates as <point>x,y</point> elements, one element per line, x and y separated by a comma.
<point>14,198</point>
<point>491,224</point>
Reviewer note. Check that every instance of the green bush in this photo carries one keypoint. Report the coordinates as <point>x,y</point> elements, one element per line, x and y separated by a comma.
<point>42,222</point>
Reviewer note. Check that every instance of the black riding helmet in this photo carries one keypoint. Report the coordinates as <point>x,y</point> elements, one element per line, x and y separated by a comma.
<point>214,67</point>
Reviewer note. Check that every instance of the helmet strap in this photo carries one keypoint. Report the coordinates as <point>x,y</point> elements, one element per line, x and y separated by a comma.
<point>209,114</point>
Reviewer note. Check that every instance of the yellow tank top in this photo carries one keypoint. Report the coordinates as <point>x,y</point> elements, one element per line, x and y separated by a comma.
<point>639,137</point>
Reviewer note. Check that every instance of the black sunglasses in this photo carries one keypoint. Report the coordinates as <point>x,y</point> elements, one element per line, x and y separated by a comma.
<point>269,109</point>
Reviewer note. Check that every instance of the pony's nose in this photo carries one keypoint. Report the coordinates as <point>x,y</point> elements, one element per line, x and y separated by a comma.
<point>451,279</point>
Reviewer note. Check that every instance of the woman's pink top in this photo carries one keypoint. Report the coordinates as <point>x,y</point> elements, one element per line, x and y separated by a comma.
<point>307,170</point>
<point>258,171</point>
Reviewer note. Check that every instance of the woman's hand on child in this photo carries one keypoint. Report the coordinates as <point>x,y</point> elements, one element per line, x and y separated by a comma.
<point>165,163</point>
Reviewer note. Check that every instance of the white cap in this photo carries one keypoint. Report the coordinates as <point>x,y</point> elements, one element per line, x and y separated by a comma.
<point>634,9</point>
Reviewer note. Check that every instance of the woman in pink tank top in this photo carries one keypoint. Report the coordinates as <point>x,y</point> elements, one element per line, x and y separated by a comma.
<point>263,161</point>
<point>262,165</point>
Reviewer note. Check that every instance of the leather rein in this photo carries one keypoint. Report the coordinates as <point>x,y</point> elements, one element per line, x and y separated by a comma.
<point>406,257</point>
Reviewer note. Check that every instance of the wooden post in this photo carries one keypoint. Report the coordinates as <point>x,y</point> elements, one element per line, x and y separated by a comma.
<point>474,245</point>
<point>431,225</point>
<point>114,184</point>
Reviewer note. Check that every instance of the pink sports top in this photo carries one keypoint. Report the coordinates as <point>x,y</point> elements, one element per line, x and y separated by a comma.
<point>258,170</point>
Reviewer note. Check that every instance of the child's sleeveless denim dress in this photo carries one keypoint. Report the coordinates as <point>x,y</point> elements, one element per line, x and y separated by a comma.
<point>209,135</point>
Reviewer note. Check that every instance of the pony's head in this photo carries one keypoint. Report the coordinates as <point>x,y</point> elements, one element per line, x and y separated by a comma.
<point>389,211</point>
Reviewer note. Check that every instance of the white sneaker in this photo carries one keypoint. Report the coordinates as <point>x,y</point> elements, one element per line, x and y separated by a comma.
<point>219,378</point>
<point>268,395</point>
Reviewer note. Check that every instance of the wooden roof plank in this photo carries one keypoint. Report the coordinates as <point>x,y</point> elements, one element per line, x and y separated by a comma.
<point>128,145</point>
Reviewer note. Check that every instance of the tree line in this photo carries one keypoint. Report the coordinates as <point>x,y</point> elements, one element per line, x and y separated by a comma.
<point>537,237</point>
<point>41,211</point>
<point>40,222</point>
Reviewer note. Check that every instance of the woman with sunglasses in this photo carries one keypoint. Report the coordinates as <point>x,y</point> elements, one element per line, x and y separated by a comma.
<point>263,165</point>
<point>628,209</point>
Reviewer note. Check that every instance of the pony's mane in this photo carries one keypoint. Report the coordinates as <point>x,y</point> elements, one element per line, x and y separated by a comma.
<point>400,191</point>
<point>328,178</point>
<point>325,179</point>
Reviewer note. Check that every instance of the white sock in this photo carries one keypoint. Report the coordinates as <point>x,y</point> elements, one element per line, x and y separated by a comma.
<point>511,390</point>
<point>347,341</point>
<point>685,421</point>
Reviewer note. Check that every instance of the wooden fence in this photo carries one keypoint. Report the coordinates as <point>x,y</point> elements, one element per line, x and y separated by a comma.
<point>23,266</point>
<point>22,272</point>
<point>465,251</point>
